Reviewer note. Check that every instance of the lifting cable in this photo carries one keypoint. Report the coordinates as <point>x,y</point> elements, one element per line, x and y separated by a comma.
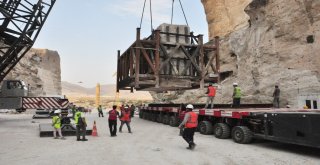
<point>144,6</point>
<point>185,18</point>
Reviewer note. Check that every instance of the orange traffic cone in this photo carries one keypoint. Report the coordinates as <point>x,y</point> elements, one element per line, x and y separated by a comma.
<point>94,130</point>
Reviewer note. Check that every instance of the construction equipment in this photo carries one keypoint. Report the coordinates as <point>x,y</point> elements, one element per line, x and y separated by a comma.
<point>20,24</point>
<point>250,121</point>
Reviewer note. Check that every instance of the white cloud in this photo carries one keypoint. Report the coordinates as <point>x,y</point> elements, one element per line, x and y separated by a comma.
<point>161,10</point>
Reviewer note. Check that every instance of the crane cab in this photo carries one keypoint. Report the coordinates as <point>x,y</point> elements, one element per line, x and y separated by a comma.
<point>14,88</point>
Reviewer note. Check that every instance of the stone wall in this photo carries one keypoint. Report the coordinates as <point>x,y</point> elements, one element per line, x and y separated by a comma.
<point>263,43</point>
<point>41,69</point>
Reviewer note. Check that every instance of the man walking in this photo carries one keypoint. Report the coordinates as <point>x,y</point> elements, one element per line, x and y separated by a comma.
<point>113,114</point>
<point>100,110</point>
<point>211,94</point>
<point>236,95</point>
<point>276,97</point>
<point>125,119</point>
<point>80,125</point>
<point>190,123</point>
<point>56,123</point>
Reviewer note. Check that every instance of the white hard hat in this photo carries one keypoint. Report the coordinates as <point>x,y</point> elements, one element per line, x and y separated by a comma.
<point>189,106</point>
<point>57,111</point>
<point>126,107</point>
<point>235,83</point>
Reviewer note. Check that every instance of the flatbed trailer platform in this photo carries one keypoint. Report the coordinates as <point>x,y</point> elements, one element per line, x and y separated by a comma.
<point>296,126</point>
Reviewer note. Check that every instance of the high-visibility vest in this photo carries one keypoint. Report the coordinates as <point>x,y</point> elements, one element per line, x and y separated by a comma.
<point>77,115</point>
<point>113,115</point>
<point>56,121</point>
<point>237,92</point>
<point>125,116</point>
<point>192,121</point>
<point>212,91</point>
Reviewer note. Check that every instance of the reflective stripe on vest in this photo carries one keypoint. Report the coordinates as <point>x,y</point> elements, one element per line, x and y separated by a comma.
<point>126,116</point>
<point>192,121</point>
<point>237,91</point>
<point>113,115</point>
<point>212,91</point>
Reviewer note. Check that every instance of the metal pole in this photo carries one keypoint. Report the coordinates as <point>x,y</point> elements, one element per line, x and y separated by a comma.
<point>217,57</point>
<point>157,59</point>
<point>202,67</point>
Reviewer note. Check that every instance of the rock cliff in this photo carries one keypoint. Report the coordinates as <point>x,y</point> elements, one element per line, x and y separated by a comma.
<point>263,43</point>
<point>40,68</point>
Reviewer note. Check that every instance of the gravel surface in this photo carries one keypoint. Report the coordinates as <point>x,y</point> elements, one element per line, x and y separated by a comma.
<point>150,144</point>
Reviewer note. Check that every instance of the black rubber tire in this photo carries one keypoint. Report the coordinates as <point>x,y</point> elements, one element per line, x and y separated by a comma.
<point>144,116</point>
<point>154,117</point>
<point>221,131</point>
<point>141,114</point>
<point>242,134</point>
<point>159,118</point>
<point>149,116</point>
<point>165,119</point>
<point>173,121</point>
<point>206,128</point>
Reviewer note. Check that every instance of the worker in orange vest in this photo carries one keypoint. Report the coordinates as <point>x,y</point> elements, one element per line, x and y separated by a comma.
<point>190,123</point>
<point>112,120</point>
<point>125,119</point>
<point>211,94</point>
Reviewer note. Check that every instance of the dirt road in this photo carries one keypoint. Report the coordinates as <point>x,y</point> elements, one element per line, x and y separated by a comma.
<point>150,144</point>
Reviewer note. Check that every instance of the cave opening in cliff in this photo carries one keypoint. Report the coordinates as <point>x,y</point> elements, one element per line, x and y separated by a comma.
<point>310,39</point>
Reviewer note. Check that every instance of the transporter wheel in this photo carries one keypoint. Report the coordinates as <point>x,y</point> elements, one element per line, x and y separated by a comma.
<point>149,116</point>
<point>165,119</point>
<point>242,134</point>
<point>144,115</point>
<point>154,117</point>
<point>141,114</point>
<point>159,118</point>
<point>221,131</point>
<point>206,128</point>
<point>173,122</point>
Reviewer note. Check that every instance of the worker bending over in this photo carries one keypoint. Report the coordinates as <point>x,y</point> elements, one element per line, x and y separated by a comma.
<point>190,122</point>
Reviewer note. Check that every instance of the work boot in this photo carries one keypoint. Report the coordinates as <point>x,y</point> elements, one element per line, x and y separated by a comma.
<point>84,139</point>
<point>189,148</point>
<point>193,145</point>
<point>78,139</point>
<point>55,138</point>
<point>62,138</point>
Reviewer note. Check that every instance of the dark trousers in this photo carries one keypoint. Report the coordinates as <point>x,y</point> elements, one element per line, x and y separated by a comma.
<point>113,127</point>
<point>236,102</point>
<point>188,134</point>
<point>128,126</point>
<point>276,102</point>
<point>81,131</point>
<point>100,113</point>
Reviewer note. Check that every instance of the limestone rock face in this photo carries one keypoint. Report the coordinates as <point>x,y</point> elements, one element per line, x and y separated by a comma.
<point>40,68</point>
<point>263,43</point>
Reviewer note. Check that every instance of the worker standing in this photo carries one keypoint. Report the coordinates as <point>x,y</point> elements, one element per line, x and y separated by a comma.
<point>276,97</point>
<point>211,94</point>
<point>132,109</point>
<point>236,95</point>
<point>125,119</point>
<point>113,114</point>
<point>56,123</point>
<point>100,111</point>
<point>190,123</point>
<point>81,125</point>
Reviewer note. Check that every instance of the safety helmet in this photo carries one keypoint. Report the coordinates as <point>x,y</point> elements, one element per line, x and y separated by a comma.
<point>57,111</point>
<point>235,84</point>
<point>189,106</point>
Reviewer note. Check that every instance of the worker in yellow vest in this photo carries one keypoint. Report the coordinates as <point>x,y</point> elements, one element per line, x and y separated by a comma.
<point>81,125</point>
<point>236,95</point>
<point>190,123</point>
<point>56,123</point>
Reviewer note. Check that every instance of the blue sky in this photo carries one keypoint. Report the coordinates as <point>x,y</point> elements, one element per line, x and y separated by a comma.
<point>87,34</point>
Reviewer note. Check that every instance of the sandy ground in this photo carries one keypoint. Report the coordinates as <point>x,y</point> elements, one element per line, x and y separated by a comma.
<point>150,144</point>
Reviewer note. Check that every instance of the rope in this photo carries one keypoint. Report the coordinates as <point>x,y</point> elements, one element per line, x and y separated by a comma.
<point>144,5</point>
<point>172,11</point>
<point>183,13</point>
<point>151,15</point>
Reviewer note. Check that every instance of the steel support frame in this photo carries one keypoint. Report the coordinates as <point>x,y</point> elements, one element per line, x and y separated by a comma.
<point>20,24</point>
<point>145,63</point>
